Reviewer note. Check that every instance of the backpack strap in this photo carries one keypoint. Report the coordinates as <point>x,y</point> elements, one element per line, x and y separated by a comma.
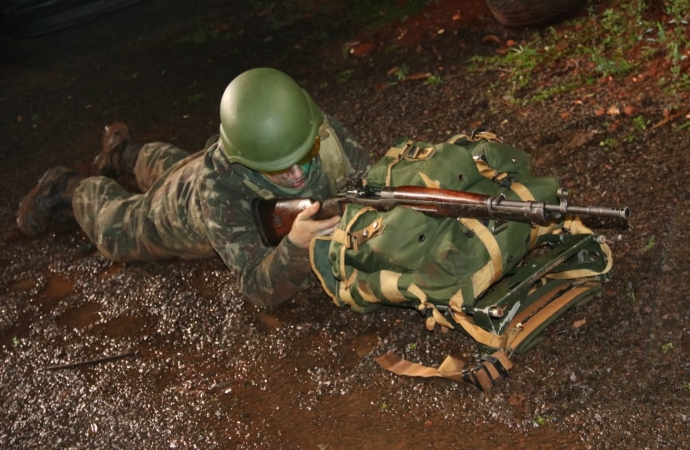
<point>334,163</point>
<point>491,368</point>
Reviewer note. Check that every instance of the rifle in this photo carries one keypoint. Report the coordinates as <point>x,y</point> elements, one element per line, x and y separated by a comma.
<point>274,217</point>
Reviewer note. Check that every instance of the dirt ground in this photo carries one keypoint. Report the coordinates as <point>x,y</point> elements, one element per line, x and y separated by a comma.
<point>199,367</point>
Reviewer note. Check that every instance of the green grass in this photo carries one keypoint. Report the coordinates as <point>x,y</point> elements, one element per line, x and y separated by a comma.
<point>599,45</point>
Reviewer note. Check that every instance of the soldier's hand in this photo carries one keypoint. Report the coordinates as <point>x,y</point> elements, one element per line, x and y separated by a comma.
<point>304,229</point>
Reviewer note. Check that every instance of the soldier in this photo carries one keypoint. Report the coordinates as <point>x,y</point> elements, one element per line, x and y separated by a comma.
<point>274,142</point>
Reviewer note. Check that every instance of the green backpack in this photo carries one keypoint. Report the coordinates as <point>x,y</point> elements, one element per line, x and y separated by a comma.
<point>443,267</point>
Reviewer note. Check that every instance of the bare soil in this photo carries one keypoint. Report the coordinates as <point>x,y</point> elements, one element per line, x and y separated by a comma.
<point>199,367</point>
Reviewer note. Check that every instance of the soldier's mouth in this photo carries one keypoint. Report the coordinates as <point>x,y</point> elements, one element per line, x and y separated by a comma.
<point>299,183</point>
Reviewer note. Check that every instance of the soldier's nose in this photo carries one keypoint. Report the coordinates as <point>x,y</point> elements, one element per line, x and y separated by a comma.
<point>295,172</point>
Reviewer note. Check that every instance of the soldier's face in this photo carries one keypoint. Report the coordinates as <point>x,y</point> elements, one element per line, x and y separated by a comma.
<point>294,178</point>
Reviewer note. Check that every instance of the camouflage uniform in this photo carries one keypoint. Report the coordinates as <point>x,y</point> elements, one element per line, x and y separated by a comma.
<point>195,206</point>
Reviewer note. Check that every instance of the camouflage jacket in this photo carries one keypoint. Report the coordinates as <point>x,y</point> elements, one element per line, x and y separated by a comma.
<point>212,198</point>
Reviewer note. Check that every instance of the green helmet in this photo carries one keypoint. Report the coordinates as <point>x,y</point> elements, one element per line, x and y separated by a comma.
<point>267,122</point>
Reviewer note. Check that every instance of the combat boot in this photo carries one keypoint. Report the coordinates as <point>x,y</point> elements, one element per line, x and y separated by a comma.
<point>53,193</point>
<point>118,154</point>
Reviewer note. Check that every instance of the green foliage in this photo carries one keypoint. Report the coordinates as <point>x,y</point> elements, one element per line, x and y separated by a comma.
<point>195,98</point>
<point>412,346</point>
<point>345,76</point>
<point>640,123</point>
<point>15,341</point>
<point>401,73</point>
<point>434,80</point>
<point>541,420</point>
<point>650,245</point>
<point>608,143</point>
<point>667,347</point>
<point>598,45</point>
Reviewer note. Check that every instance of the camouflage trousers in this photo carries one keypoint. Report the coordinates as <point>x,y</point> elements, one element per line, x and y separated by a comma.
<point>125,225</point>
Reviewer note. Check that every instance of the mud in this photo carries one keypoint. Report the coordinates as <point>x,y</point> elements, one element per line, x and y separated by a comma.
<point>195,366</point>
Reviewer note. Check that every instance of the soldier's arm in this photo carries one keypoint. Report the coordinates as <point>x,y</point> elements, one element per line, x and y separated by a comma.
<point>268,276</point>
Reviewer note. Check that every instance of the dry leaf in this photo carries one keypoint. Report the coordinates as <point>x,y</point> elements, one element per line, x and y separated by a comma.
<point>381,86</point>
<point>629,110</point>
<point>579,323</point>
<point>613,110</point>
<point>418,76</point>
<point>362,49</point>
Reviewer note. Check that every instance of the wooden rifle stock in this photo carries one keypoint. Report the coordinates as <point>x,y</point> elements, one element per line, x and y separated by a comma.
<point>274,218</point>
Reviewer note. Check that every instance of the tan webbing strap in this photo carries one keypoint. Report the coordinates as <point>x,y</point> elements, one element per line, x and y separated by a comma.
<point>419,293</point>
<point>493,270</point>
<point>351,279</point>
<point>360,237</point>
<point>342,237</point>
<point>457,301</point>
<point>428,182</point>
<point>346,296</point>
<point>483,376</point>
<point>520,189</point>
<point>389,286</point>
<point>457,137</point>
<point>485,170</point>
<point>409,152</point>
<point>347,231</point>
<point>539,303</point>
<point>435,316</point>
<point>451,367</point>
<point>396,154</point>
<point>366,293</point>
<point>478,135</point>
<point>440,318</point>
<point>545,313</point>
<point>478,333</point>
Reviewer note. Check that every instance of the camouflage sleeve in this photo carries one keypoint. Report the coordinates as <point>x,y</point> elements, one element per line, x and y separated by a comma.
<point>359,158</point>
<point>268,276</point>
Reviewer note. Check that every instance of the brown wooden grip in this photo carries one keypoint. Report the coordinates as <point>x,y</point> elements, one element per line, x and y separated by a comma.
<point>274,218</point>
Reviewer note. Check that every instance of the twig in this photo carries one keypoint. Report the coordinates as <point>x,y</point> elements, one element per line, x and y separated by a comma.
<point>670,118</point>
<point>93,361</point>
